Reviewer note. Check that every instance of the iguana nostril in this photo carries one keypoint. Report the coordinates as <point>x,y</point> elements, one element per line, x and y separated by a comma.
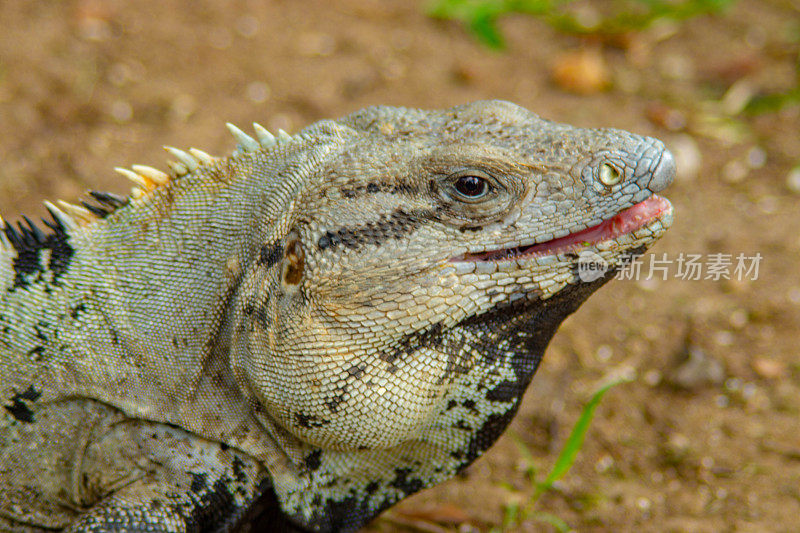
<point>664,172</point>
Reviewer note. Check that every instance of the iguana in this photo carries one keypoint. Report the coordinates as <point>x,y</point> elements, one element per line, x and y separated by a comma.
<point>335,319</point>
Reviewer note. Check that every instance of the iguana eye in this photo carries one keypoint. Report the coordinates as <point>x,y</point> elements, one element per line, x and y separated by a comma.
<point>471,186</point>
<point>609,176</point>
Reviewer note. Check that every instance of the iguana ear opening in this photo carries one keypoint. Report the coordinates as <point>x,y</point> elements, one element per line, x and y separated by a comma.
<point>294,260</point>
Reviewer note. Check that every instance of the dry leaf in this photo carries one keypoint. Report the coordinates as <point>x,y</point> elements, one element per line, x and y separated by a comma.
<point>582,71</point>
<point>769,368</point>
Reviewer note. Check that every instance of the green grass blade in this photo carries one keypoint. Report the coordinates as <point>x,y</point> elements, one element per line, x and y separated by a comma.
<point>484,26</point>
<point>573,445</point>
<point>510,515</point>
<point>482,16</point>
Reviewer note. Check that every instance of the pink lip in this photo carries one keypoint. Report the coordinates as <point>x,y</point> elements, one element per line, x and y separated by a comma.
<point>627,221</point>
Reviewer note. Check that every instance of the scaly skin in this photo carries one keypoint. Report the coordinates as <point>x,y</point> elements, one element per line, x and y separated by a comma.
<point>335,320</point>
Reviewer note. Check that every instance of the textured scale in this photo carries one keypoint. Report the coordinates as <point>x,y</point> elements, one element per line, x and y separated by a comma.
<point>329,321</point>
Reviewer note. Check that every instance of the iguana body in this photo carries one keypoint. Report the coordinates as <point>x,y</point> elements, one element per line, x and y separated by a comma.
<point>343,317</point>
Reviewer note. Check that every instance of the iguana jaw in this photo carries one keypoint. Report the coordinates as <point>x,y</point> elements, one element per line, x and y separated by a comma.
<point>653,209</point>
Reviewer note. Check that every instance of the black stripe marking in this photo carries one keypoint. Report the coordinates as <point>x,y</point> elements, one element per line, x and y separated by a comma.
<point>19,409</point>
<point>386,187</point>
<point>270,254</point>
<point>108,203</point>
<point>309,421</point>
<point>96,210</point>
<point>333,402</point>
<point>313,460</point>
<point>109,199</point>
<point>393,226</point>
<point>356,371</point>
<point>28,241</point>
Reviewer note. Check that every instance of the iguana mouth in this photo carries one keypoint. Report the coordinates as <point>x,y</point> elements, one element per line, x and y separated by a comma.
<point>624,222</point>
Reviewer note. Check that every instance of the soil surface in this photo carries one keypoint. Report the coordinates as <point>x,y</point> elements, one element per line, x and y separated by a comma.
<point>707,437</point>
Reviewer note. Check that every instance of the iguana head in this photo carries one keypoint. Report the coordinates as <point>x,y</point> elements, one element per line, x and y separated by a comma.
<point>396,317</point>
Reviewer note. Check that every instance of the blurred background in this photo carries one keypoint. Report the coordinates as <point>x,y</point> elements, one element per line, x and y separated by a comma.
<point>707,435</point>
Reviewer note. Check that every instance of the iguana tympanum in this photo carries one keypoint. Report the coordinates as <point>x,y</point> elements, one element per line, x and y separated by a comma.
<point>337,318</point>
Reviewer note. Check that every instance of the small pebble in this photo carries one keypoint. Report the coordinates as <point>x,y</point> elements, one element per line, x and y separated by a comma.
<point>793,180</point>
<point>733,384</point>
<point>756,157</point>
<point>258,92</point>
<point>688,158</point>
<point>652,377</point>
<point>247,26</point>
<point>749,390</point>
<point>604,463</point>
<point>648,285</point>
<point>604,352</point>
<point>734,171</point>
<point>121,111</point>
<point>678,445</point>
<point>738,318</point>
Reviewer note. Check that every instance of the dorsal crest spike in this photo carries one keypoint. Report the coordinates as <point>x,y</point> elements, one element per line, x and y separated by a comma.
<point>96,210</point>
<point>14,239</point>
<point>266,139</point>
<point>183,158</point>
<point>34,230</point>
<point>202,156</point>
<point>247,143</point>
<point>153,174</point>
<point>60,217</point>
<point>108,199</point>
<point>77,212</point>
<point>178,169</point>
<point>283,137</point>
<point>139,180</point>
<point>4,242</point>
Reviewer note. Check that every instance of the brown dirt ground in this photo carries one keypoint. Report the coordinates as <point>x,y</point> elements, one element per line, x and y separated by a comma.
<point>85,86</point>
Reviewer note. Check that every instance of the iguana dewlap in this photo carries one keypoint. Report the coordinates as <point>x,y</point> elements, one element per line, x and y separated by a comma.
<point>335,319</point>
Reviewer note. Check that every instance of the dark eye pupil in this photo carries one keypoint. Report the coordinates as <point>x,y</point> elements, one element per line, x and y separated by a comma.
<point>471,186</point>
